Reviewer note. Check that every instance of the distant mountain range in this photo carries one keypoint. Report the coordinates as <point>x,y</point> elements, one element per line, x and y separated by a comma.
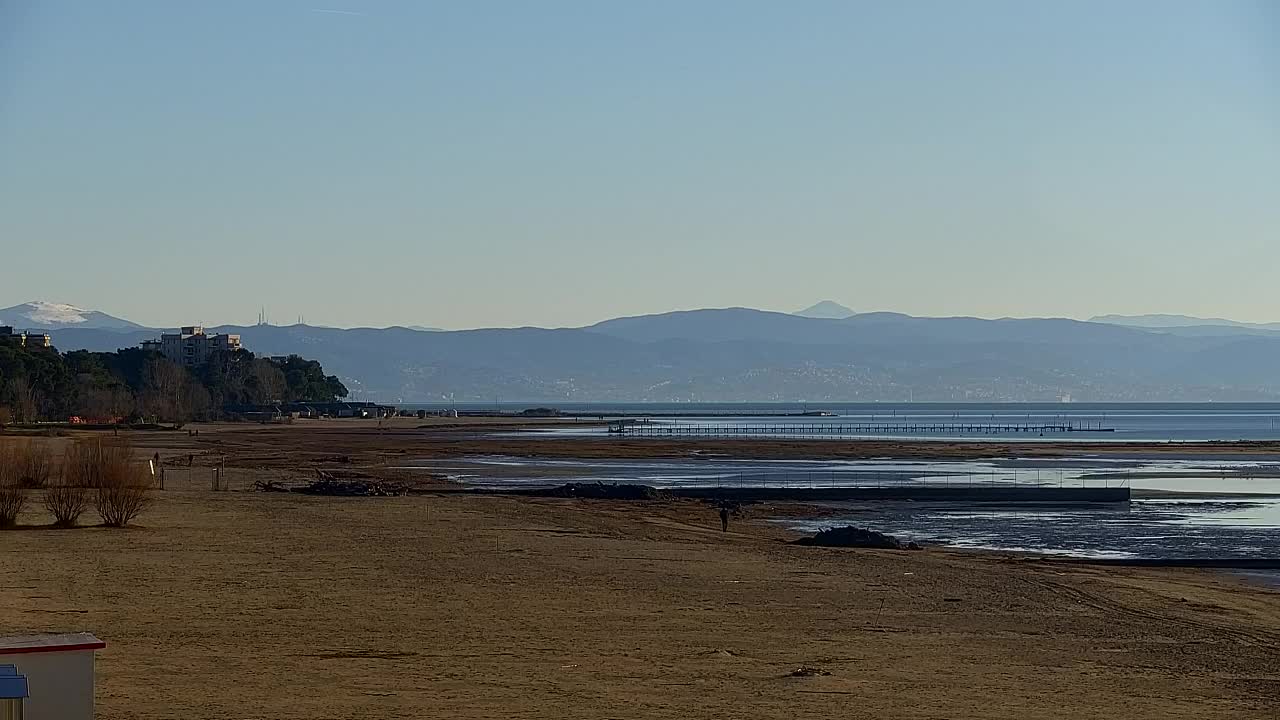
<point>1188,325</point>
<point>741,354</point>
<point>1176,321</point>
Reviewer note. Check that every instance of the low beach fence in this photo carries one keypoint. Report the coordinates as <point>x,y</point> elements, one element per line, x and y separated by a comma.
<point>217,479</point>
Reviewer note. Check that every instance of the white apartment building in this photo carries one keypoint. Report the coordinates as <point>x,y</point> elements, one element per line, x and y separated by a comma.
<point>190,346</point>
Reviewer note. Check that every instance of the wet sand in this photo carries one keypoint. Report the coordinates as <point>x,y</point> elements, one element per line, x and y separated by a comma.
<point>460,606</point>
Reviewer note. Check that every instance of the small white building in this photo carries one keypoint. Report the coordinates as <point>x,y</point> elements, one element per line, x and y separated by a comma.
<point>59,670</point>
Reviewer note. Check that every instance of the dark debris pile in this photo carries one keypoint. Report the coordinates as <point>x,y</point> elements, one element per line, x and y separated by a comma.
<point>332,485</point>
<point>603,491</point>
<point>856,537</point>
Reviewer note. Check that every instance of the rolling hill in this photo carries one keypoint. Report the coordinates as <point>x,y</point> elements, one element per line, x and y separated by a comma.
<point>739,354</point>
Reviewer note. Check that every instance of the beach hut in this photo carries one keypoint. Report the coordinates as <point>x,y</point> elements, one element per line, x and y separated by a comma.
<point>57,671</point>
<point>13,693</point>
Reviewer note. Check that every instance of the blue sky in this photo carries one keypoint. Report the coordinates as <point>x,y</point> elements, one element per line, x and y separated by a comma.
<point>554,163</point>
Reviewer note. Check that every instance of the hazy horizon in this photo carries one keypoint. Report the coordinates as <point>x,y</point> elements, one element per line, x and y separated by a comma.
<point>553,165</point>
<point>287,321</point>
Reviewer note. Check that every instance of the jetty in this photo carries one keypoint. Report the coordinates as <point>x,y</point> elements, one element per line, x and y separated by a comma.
<point>995,495</point>
<point>645,429</point>
<point>998,495</point>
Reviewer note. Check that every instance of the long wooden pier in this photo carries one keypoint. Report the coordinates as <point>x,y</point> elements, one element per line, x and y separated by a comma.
<point>1000,494</point>
<point>837,429</point>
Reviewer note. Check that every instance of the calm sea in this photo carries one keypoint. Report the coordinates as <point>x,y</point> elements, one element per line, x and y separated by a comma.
<point>1240,520</point>
<point>1129,421</point>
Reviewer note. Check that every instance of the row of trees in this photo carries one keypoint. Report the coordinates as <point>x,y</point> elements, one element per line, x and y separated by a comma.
<point>42,384</point>
<point>92,472</point>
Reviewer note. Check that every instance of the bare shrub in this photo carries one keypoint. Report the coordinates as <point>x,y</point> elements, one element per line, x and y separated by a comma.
<point>65,500</point>
<point>89,462</point>
<point>122,499</point>
<point>35,464</point>
<point>9,465</point>
<point>12,499</point>
<point>122,490</point>
<point>12,496</point>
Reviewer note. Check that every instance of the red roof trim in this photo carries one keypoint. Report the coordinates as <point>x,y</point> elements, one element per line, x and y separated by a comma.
<point>52,648</point>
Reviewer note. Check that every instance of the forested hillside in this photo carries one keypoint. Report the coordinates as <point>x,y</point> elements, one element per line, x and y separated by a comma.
<point>40,384</point>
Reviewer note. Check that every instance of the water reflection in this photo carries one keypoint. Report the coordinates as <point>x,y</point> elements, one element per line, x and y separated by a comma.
<point>1215,520</point>
<point>1145,528</point>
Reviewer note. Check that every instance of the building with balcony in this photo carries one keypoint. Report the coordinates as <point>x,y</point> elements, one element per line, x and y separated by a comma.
<point>191,346</point>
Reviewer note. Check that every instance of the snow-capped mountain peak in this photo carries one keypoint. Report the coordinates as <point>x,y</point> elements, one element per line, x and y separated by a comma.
<point>54,313</point>
<point>42,315</point>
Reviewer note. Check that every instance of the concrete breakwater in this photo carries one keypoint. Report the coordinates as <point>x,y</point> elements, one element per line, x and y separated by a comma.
<point>998,494</point>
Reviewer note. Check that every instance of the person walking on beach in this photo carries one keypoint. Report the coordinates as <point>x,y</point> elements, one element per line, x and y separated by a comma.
<point>724,518</point>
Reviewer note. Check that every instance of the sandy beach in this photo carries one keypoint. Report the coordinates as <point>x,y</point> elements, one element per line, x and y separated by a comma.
<point>493,606</point>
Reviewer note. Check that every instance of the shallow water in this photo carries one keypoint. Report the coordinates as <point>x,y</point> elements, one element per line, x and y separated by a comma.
<point>1162,528</point>
<point>1225,476</point>
<point>1227,524</point>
